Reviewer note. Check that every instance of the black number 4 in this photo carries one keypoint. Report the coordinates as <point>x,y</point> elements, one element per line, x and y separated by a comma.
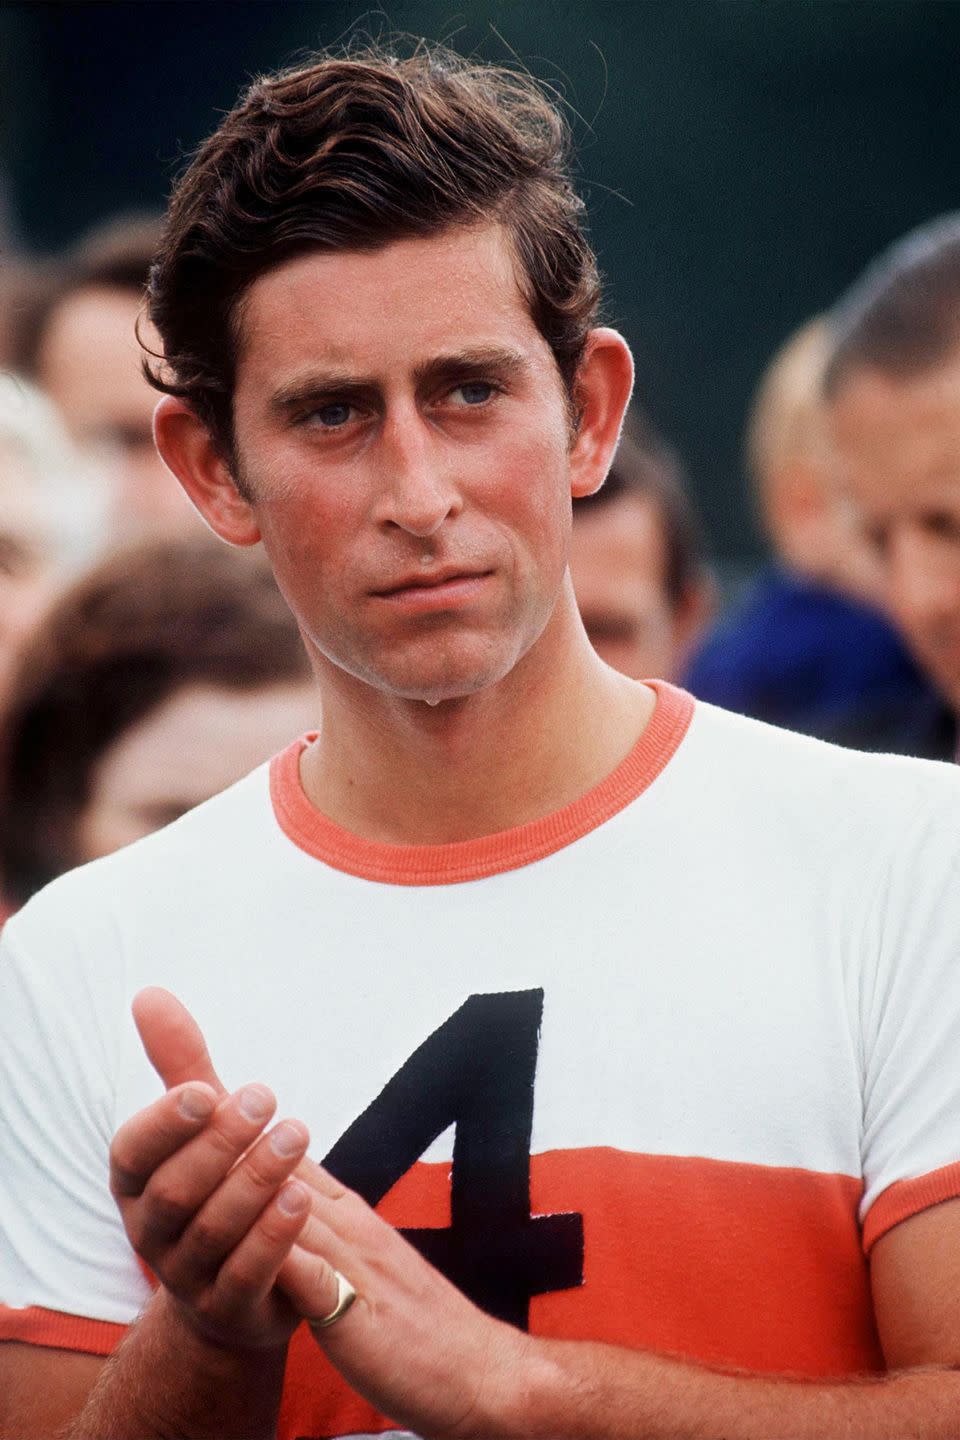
<point>476,1072</point>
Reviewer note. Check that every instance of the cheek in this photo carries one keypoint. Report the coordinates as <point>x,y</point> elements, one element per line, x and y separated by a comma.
<point>104,827</point>
<point>660,652</point>
<point>531,490</point>
<point>654,648</point>
<point>303,533</point>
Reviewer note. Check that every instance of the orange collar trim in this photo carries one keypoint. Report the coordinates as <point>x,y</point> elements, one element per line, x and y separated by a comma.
<point>461,860</point>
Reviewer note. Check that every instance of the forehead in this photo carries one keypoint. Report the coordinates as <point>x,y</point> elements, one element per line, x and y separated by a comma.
<point>203,737</point>
<point>97,315</point>
<point>90,356</point>
<point>899,438</point>
<point>410,300</point>
<point>619,541</point>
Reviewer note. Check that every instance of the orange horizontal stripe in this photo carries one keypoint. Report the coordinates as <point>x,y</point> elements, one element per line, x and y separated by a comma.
<point>490,854</point>
<point>37,1326</point>
<point>908,1197</point>
<point>751,1266</point>
<point>745,1266</point>
<point>740,1266</point>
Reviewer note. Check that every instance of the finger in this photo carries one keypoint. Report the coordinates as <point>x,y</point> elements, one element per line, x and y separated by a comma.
<point>152,1135</point>
<point>346,1214</point>
<point>234,1207</point>
<point>249,1273</point>
<point>322,1182</point>
<point>173,1040</point>
<point>308,1278</point>
<point>172,1191</point>
<point>349,1234</point>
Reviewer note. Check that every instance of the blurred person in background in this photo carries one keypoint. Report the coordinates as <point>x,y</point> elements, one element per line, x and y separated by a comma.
<point>809,647</point>
<point>52,513</point>
<point>174,667</point>
<point>642,585</point>
<point>18,280</point>
<point>892,387</point>
<point>75,337</point>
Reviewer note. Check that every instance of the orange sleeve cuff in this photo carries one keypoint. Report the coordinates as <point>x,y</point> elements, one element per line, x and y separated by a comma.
<point>908,1197</point>
<point>33,1325</point>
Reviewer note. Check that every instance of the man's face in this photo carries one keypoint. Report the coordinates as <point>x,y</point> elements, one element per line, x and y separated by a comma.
<point>898,459</point>
<point>191,746</point>
<point>89,365</point>
<point>403,430</point>
<point>618,561</point>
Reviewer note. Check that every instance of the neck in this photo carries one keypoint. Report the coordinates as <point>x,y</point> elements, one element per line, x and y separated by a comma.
<point>400,771</point>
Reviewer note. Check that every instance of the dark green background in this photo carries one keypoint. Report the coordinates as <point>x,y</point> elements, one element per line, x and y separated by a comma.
<point>742,158</point>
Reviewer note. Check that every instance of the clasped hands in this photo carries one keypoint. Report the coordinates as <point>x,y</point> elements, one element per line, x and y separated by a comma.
<point>246,1234</point>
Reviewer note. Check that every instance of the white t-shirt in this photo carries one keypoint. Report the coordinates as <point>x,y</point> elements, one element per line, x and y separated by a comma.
<point>695,1036</point>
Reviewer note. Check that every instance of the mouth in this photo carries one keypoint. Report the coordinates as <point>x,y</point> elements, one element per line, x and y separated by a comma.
<point>443,580</point>
<point>446,591</point>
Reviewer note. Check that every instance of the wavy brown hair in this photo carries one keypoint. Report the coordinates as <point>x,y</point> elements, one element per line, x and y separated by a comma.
<point>144,623</point>
<point>351,153</point>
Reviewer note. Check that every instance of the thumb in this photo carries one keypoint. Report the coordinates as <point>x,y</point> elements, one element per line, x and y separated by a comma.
<point>173,1040</point>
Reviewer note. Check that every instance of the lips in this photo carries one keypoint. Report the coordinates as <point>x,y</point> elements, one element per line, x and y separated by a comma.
<point>422,581</point>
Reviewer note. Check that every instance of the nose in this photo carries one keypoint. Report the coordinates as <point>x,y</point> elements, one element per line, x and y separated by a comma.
<point>418,489</point>
<point>924,579</point>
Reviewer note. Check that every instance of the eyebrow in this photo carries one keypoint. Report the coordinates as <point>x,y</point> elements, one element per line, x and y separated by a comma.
<point>483,360</point>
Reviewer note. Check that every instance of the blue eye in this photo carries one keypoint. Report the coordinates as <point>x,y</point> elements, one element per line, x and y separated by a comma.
<point>475,392</point>
<point>334,415</point>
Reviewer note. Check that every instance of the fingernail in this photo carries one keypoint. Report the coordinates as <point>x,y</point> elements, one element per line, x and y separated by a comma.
<point>255,1103</point>
<point>195,1104</point>
<point>286,1140</point>
<point>292,1199</point>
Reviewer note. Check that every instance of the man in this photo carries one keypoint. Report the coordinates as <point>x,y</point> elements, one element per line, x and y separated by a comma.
<point>636,561</point>
<point>891,387</point>
<point>77,341</point>
<point>808,646</point>
<point>627,1013</point>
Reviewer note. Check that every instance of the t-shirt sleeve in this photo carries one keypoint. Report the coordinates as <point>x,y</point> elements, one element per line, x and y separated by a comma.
<point>910,1017</point>
<point>67,1273</point>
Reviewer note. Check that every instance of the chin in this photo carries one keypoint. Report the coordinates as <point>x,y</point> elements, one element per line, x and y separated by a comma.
<point>436,684</point>
<point>446,689</point>
<point>438,669</point>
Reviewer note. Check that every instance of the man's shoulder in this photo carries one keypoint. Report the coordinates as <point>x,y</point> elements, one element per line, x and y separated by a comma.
<point>793,772</point>
<point>796,822</point>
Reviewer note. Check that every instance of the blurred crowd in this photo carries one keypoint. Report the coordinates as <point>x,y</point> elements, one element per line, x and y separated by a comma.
<point>145,665</point>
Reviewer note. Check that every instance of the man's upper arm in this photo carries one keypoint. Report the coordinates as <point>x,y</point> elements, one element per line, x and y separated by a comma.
<point>66,1267</point>
<point>915,1276</point>
<point>42,1389</point>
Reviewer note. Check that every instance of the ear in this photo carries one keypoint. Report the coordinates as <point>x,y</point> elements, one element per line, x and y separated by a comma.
<point>604,383</point>
<point>188,449</point>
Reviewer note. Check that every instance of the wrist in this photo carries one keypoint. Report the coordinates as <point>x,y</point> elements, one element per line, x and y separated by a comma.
<point>564,1387</point>
<point>521,1389</point>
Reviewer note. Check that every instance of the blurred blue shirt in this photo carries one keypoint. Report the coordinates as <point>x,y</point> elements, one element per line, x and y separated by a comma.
<point>803,656</point>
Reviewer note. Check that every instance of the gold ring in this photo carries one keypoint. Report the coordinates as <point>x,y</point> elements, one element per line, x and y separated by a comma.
<point>345,1298</point>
